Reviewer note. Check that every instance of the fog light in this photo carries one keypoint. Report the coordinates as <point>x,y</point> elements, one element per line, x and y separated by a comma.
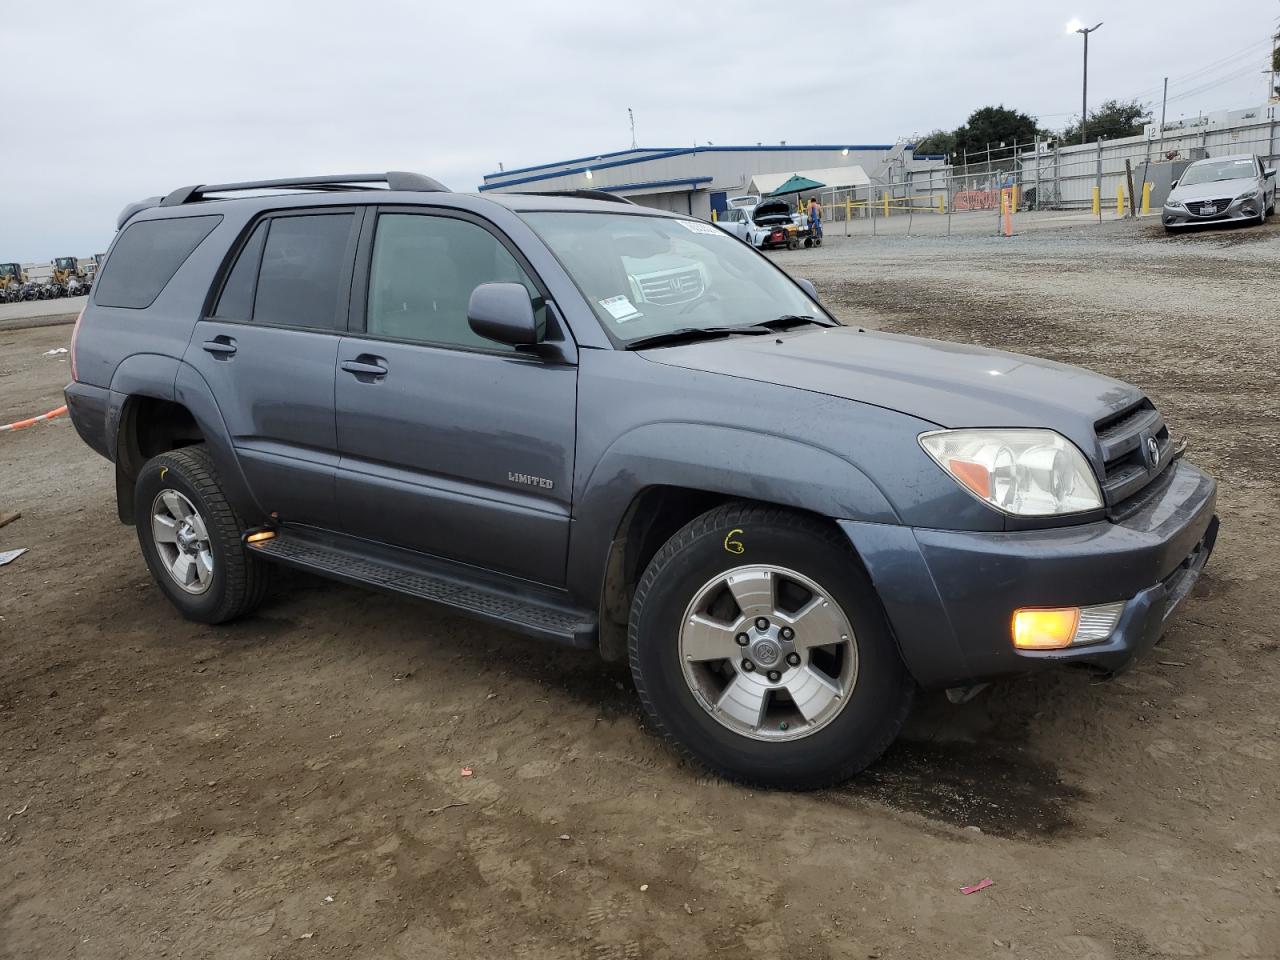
<point>260,535</point>
<point>1045,629</point>
<point>1056,628</point>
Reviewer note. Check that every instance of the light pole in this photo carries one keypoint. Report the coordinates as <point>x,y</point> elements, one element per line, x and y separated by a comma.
<point>1078,27</point>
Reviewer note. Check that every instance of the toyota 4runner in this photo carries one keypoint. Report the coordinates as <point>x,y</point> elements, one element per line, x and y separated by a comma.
<point>621,430</point>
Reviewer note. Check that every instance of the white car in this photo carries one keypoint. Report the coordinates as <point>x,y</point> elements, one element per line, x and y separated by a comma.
<point>760,222</point>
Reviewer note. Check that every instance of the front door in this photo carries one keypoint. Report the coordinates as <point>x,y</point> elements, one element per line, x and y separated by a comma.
<point>452,444</point>
<point>268,352</point>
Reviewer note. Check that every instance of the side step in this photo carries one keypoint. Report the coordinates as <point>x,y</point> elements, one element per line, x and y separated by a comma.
<point>525,609</point>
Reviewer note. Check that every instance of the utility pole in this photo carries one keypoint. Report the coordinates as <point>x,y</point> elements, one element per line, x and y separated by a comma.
<point>1084,97</point>
<point>1273,93</point>
<point>632,117</point>
<point>1164,101</point>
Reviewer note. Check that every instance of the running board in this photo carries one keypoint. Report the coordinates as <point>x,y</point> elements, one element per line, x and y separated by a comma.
<point>460,588</point>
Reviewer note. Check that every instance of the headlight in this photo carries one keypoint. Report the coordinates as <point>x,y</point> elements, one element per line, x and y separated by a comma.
<point>1249,195</point>
<point>1173,203</point>
<point>1028,473</point>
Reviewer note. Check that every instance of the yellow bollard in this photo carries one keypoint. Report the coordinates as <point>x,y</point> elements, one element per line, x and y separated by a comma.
<point>714,219</point>
<point>1146,198</point>
<point>848,209</point>
<point>1013,196</point>
<point>886,204</point>
<point>1119,201</point>
<point>942,203</point>
<point>1097,202</point>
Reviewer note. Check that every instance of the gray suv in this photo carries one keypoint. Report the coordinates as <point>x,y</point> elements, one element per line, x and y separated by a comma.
<point>786,525</point>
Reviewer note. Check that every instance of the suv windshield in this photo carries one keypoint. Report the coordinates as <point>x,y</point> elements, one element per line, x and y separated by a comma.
<point>647,275</point>
<point>1214,170</point>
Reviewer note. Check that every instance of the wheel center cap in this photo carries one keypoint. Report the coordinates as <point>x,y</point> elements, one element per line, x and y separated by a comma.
<point>186,536</point>
<point>766,652</point>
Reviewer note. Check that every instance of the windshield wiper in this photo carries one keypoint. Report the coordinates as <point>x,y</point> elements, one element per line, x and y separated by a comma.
<point>693,334</point>
<point>789,320</point>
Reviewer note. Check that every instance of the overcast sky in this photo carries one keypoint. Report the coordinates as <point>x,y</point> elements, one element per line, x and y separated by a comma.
<point>121,100</point>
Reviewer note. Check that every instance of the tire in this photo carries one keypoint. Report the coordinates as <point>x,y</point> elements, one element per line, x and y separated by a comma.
<point>788,748</point>
<point>225,581</point>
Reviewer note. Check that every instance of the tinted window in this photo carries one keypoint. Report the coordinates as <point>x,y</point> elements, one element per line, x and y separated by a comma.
<point>146,257</point>
<point>424,269</point>
<point>301,273</point>
<point>236,299</point>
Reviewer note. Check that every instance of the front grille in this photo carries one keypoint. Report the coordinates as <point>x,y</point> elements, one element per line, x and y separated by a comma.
<point>1198,207</point>
<point>1127,453</point>
<point>670,287</point>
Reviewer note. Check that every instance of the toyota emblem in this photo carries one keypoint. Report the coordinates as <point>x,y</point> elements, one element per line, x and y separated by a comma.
<point>1153,451</point>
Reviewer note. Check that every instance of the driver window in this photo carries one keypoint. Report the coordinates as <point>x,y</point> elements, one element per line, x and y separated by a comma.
<point>424,269</point>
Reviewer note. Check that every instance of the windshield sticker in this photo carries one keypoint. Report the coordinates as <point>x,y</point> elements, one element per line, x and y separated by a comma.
<point>697,226</point>
<point>621,309</point>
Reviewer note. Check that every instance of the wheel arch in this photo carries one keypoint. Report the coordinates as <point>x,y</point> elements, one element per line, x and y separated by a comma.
<point>654,515</point>
<point>151,421</point>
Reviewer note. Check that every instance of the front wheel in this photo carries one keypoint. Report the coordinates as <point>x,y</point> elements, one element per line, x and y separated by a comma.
<point>190,538</point>
<point>758,645</point>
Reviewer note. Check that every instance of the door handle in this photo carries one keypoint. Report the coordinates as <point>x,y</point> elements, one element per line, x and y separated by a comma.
<point>366,366</point>
<point>221,347</point>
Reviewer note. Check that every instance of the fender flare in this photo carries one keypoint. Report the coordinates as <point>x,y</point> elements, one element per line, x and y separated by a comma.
<point>711,458</point>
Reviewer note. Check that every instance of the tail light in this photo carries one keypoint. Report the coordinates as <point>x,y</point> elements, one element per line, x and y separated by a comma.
<point>75,332</point>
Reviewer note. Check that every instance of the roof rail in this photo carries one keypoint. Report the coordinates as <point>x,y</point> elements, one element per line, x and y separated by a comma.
<point>580,194</point>
<point>394,179</point>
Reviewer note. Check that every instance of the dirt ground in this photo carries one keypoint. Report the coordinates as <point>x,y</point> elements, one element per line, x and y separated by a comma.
<point>290,786</point>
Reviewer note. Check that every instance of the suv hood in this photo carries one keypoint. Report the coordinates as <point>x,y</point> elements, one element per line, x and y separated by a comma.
<point>949,384</point>
<point>1214,190</point>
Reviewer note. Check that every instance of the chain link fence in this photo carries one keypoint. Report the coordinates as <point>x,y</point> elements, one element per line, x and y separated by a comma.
<point>1105,179</point>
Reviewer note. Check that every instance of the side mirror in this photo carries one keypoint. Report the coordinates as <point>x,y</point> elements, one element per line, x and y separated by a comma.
<point>503,312</point>
<point>808,287</point>
<point>1269,173</point>
<point>1172,185</point>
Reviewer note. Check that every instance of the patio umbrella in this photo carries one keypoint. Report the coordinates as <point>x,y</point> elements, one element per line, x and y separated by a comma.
<point>796,184</point>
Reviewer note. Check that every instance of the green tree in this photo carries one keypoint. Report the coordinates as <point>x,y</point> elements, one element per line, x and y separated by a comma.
<point>993,126</point>
<point>1115,118</point>
<point>938,142</point>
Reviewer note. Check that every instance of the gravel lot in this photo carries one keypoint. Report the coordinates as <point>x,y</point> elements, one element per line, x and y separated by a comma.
<point>289,786</point>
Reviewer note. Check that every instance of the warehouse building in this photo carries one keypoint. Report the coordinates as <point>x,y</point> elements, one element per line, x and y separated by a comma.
<point>698,180</point>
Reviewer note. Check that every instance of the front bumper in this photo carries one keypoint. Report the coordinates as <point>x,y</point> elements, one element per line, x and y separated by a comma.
<point>950,595</point>
<point>1235,211</point>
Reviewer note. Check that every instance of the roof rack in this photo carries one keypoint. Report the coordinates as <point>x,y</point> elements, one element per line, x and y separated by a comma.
<point>394,179</point>
<point>580,194</point>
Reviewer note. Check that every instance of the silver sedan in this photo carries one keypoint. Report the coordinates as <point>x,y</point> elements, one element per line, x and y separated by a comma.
<point>1221,189</point>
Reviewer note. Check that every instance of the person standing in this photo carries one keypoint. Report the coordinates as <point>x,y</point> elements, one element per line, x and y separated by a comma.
<point>815,217</point>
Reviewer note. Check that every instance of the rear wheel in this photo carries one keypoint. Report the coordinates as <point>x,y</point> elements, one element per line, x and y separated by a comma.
<point>758,645</point>
<point>190,538</point>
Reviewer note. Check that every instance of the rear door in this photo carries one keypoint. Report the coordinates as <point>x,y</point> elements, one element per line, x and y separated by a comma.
<point>451,444</point>
<point>268,351</point>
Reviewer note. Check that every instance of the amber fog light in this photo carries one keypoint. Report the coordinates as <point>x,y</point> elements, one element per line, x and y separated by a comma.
<point>1058,627</point>
<point>1045,629</point>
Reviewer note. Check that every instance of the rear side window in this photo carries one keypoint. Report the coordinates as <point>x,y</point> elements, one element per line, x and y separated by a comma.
<point>146,257</point>
<point>303,261</point>
<point>236,300</point>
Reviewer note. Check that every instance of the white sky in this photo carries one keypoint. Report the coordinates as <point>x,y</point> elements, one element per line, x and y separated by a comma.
<point>130,98</point>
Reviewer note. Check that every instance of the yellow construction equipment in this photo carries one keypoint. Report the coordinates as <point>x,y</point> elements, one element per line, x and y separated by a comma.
<point>64,268</point>
<point>12,278</point>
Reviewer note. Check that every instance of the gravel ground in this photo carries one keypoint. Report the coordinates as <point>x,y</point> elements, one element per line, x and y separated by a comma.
<point>290,786</point>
